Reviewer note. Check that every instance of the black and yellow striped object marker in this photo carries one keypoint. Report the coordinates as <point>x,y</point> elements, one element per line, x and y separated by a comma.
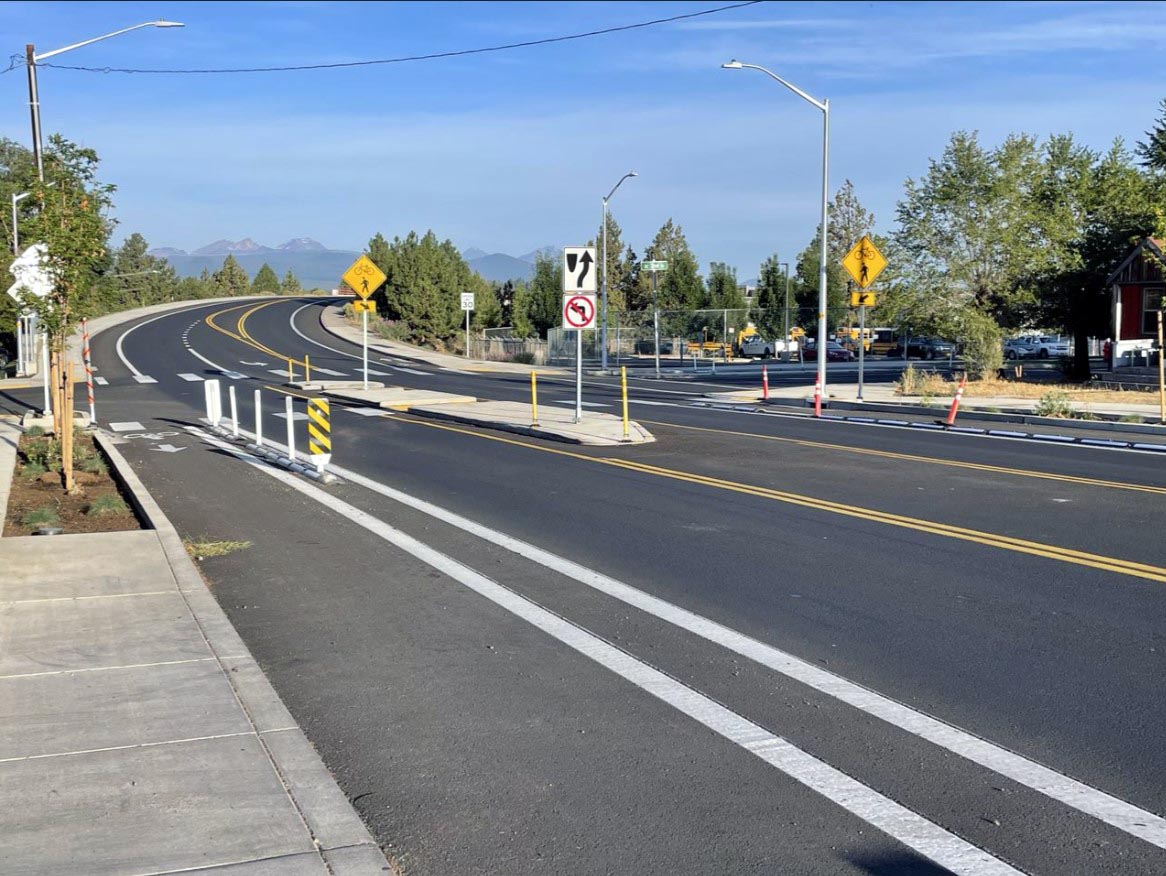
<point>319,432</point>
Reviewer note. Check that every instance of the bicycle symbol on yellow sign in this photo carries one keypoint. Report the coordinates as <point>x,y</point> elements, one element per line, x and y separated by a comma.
<point>864,262</point>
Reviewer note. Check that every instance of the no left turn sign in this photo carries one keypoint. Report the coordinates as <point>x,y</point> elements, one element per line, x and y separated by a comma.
<point>578,312</point>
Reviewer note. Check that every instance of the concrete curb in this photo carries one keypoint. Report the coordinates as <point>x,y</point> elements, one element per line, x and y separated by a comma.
<point>530,431</point>
<point>9,436</point>
<point>341,839</point>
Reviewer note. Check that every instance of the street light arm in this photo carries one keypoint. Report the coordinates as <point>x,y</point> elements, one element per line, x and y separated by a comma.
<point>54,52</point>
<point>627,175</point>
<point>738,65</point>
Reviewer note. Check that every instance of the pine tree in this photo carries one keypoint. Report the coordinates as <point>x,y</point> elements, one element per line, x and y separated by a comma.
<point>290,285</point>
<point>723,291</point>
<point>769,317</point>
<point>266,282</point>
<point>1153,151</point>
<point>231,279</point>
<point>680,287</point>
<point>546,294</point>
<point>520,311</point>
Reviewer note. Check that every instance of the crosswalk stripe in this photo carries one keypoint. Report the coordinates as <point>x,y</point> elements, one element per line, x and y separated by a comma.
<point>142,378</point>
<point>234,375</point>
<point>414,371</point>
<point>101,381</point>
<point>328,371</point>
<point>190,378</point>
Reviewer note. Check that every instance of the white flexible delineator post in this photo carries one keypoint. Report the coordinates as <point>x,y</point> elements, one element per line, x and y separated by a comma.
<point>258,418</point>
<point>291,429</point>
<point>234,412</point>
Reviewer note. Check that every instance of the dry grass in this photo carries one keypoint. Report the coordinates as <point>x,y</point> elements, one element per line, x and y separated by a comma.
<point>204,549</point>
<point>929,384</point>
<point>1073,391</point>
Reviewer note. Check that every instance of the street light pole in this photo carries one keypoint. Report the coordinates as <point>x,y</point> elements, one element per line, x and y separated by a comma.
<point>603,352</point>
<point>824,106</point>
<point>32,58</point>
<point>785,354</point>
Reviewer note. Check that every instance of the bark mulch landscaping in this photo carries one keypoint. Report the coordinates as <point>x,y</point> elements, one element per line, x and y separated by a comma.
<point>38,496</point>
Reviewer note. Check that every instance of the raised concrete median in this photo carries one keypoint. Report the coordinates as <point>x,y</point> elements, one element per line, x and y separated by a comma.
<point>555,423</point>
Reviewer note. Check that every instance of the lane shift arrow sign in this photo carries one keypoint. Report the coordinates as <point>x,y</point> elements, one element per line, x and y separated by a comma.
<point>585,261</point>
<point>167,448</point>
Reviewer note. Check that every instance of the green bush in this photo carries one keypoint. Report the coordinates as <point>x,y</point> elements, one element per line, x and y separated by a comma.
<point>393,331</point>
<point>93,465</point>
<point>32,470</point>
<point>43,516</point>
<point>983,353</point>
<point>110,503</point>
<point>1054,404</point>
<point>524,358</point>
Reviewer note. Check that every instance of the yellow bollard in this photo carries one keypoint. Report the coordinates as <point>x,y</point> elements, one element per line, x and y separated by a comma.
<point>291,375</point>
<point>534,398</point>
<point>623,385</point>
<point>307,370</point>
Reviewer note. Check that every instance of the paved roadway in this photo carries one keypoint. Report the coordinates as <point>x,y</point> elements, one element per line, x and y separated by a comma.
<point>763,644</point>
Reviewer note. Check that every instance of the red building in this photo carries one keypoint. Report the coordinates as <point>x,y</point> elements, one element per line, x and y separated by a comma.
<point>1137,286</point>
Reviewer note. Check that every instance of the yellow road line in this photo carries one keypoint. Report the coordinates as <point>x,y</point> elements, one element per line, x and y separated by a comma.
<point>1003,542</point>
<point>242,335</point>
<point>889,454</point>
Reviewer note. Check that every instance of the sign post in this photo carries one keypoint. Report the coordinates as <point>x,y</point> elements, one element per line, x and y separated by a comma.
<point>655,266</point>
<point>864,262</point>
<point>364,278</point>
<point>579,307</point>
<point>467,306</point>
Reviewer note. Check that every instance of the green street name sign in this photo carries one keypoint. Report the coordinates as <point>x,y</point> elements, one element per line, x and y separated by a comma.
<point>654,265</point>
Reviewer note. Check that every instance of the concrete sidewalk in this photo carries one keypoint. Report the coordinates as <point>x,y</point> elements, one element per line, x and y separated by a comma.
<point>137,733</point>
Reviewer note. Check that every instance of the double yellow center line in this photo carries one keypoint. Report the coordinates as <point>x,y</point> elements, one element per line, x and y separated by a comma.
<point>1003,542</point>
<point>242,335</point>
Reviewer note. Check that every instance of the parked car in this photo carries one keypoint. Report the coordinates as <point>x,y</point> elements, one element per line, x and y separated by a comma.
<point>835,352</point>
<point>925,348</point>
<point>1035,347</point>
<point>648,347</point>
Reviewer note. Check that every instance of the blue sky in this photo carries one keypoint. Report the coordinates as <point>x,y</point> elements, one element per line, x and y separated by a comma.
<point>514,150</point>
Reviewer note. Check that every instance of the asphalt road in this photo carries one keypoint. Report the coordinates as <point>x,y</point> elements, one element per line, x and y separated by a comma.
<point>490,709</point>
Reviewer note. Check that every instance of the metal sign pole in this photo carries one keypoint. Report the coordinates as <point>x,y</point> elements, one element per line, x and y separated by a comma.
<point>578,375</point>
<point>467,334</point>
<point>861,346</point>
<point>656,321</point>
<point>364,344</point>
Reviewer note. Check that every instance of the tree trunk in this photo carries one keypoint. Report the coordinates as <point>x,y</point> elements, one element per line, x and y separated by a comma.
<point>1080,368</point>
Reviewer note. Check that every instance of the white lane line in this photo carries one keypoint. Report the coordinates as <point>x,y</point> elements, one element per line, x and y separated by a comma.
<point>234,375</point>
<point>640,401</point>
<point>190,378</point>
<point>413,371</point>
<point>101,381</point>
<point>143,378</point>
<point>196,354</point>
<point>329,372</point>
<point>908,827</point>
<point>127,427</point>
<point>374,371</point>
<point>571,402</point>
<point>121,353</point>
<point>1092,801</point>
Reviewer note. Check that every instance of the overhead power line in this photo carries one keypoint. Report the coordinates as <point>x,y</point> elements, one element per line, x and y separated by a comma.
<point>430,57</point>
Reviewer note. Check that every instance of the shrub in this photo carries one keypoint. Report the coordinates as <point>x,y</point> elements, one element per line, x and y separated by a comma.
<point>982,353</point>
<point>43,516</point>
<point>525,357</point>
<point>392,331</point>
<point>1054,404</point>
<point>93,465</point>
<point>109,503</point>
<point>32,470</point>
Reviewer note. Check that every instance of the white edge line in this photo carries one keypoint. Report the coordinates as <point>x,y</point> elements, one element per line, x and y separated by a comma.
<point>121,353</point>
<point>1035,776</point>
<point>902,824</point>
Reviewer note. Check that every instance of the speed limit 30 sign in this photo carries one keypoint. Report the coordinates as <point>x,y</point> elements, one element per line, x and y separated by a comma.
<point>579,312</point>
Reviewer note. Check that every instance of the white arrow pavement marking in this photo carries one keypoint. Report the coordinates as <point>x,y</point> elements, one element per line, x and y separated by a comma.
<point>241,362</point>
<point>897,821</point>
<point>167,448</point>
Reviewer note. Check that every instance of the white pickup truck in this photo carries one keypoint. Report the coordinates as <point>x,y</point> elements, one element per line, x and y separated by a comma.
<point>756,347</point>
<point>1035,347</point>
